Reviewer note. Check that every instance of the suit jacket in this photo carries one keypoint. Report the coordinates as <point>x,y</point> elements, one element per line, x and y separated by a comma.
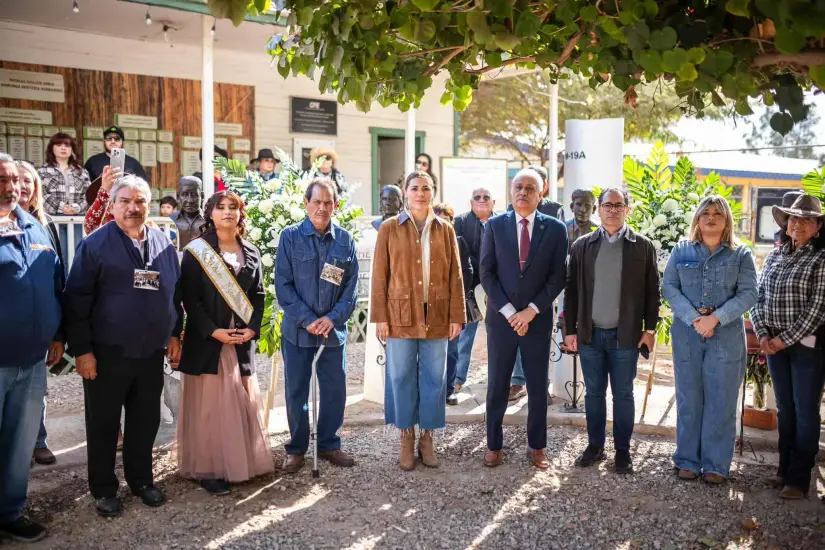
<point>543,276</point>
<point>468,226</point>
<point>206,310</point>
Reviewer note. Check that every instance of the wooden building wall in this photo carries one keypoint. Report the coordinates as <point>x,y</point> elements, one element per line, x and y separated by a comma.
<point>93,98</point>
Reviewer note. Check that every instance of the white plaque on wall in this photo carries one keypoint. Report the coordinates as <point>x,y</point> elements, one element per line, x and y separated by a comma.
<point>17,130</point>
<point>49,131</point>
<point>4,145</point>
<point>229,128</point>
<point>69,130</point>
<point>92,132</point>
<point>242,157</point>
<point>137,121</point>
<point>26,116</point>
<point>148,135</point>
<point>17,147</point>
<point>148,153</point>
<point>32,86</point>
<point>166,153</point>
<point>166,136</point>
<point>241,144</point>
<point>131,134</point>
<point>222,142</point>
<point>34,131</point>
<point>189,163</point>
<point>34,150</point>
<point>132,149</point>
<point>192,142</point>
<point>92,147</point>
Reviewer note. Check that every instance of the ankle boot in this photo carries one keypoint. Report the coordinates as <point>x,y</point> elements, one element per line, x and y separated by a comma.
<point>426,449</point>
<point>406,457</point>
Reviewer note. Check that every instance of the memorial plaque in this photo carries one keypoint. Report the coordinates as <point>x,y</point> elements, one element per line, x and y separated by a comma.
<point>49,131</point>
<point>192,142</point>
<point>25,116</point>
<point>313,116</point>
<point>17,147</point>
<point>241,144</point>
<point>137,121</point>
<point>131,134</point>
<point>92,147</point>
<point>33,86</point>
<point>166,153</point>
<point>36,131</point>
<point>222,142</point>
<point>148,135</point>
<point>71,131</point>
<point>229,128</point>
<point>17,130</point>
<point>34,151</point>
<point>166,136</point>
<point>132,149</point>
<point>148,153</point>
<point>4,145</point>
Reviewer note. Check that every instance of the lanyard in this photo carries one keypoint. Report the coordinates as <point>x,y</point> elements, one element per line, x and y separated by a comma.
<point>145,253</point>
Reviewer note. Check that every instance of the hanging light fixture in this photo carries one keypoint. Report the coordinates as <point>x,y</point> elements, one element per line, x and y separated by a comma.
<point>75,7</point>
<point>148,18</point>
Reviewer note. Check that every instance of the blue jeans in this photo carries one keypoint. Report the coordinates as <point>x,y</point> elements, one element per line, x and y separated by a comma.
<point>42,434</point>
<point>332,395</point>
<point>415,390</point>
<point>708,375</point>
<point>21,400</point>
<point>603,358</point>
<point>518,372</point>
<point>465,352</point>
<point>797,373</point>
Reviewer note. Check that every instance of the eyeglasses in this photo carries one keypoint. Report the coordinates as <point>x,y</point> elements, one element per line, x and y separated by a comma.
<point>113,138</point>
<point>422,163</point>
<point>610,207</point>
<point>481,197</point>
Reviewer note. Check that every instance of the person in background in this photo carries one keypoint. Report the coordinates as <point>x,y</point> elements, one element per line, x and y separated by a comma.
<point>553,209</point>
<point>788,319</point>
<point>113,138</point>
<point>611,309</point>
<point>424,163</point>
<point>470,227</point>
<point>710,283</point>
<point>418,305</point>
<point>583,206</point>
<point>31,339</point>
<point>64,185</point>
<point>219,184</point>
<point>787,200</point>
<point>31,200</point>
<point>390,204</point>
<point>221,435</point>
<point>328,168</point>
<point>446,213</point>
<point>267,164</point>
<point>122,315</point>
<point>100,211</point>
<point>168,206</point>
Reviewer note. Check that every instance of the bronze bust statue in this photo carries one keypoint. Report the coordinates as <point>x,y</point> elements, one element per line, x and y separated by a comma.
<point>583,206</point>
<point>189,219</point>
<point>390,204</point>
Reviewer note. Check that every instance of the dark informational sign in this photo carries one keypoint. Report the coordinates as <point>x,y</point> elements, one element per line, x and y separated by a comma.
<point>313,116</point>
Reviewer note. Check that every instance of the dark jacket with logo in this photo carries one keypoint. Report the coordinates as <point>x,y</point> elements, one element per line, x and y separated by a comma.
<point>207,310</point>
<point>639,306</point>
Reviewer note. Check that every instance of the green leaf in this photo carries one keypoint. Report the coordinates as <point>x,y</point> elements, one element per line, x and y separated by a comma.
<point>651,8</point>
<point>673,60</point>
<point>717,63</point>
<point>738,7</point>
<point>425,5</point>
<point>788,41</point>
<point>782,123</point>
<point>228,9</point>
<point>502,9</point>
<point>425,31</point>
<point>528,24</point>
<point>305,16</point>
<point>664,39</point>
<point>477,22</point>
<point>696,55</point>
<point>589,14</point>
<point>743,108</point>
<point>651,61</point>
<point>366,21</point>
<point>493,59</point>
<point>506,40</point>
<point>817,74</point>
<point>687,72</point>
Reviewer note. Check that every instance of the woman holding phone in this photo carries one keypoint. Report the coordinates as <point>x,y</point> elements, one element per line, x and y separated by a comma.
<point>221,436</point>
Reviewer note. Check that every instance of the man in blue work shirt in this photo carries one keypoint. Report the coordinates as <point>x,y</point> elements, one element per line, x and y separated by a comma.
<point>30,338</point>
<point>316,279</point>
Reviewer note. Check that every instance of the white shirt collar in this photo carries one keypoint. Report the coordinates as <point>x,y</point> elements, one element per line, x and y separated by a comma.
<point>530,219</point>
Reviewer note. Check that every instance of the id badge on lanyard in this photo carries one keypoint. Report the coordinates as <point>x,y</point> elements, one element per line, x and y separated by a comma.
<point>146,279</point>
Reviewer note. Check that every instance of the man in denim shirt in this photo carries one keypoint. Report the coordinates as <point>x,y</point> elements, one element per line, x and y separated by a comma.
<point>316,279</point>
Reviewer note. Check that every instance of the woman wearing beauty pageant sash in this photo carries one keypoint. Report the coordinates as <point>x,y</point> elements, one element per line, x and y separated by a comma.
<point>221,436</point>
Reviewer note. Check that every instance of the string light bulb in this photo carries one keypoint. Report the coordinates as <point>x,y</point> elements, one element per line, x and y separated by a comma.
<point>75,6</point>
<point>213,28</point>
<point>166,33</point>
<point>148,18</point>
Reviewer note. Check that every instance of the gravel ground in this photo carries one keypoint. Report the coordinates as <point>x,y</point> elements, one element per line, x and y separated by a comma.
<point>461,505</point>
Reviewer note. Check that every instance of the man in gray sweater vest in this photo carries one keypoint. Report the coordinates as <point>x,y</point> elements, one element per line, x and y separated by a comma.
<point>611,308</point>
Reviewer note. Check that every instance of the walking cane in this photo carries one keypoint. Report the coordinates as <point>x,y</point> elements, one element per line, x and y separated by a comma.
<point>314,432</point>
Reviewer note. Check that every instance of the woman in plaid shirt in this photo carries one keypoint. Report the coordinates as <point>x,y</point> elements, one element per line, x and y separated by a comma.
<point>787,318</point>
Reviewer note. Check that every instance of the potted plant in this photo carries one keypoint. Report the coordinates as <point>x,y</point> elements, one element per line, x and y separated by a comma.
<point>757,416</point>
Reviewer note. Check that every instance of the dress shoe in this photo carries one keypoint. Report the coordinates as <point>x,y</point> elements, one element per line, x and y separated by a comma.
<point>624,465</point>
<point>426,449</point>
<point>516,392</point>
<point>492,459</point>
<point>44,456</point>
<point>23,530</point>
<point>791,493</point>
<point>338,457</point>
<point>776,481</point>
<point>712,478</point>
<point>452,400</point>
<point>150,495</point>
<point>590,456</point>
<point>293,463</point>
<point>108,507</point>
<point>686,475</point>
<point>538,458</point>
<point>217,487</point>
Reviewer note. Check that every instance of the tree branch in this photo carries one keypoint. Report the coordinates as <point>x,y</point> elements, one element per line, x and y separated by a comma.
<point>565,55</point>
<point>425,52</point>
<point>802,59</point>
<point>435,68</point>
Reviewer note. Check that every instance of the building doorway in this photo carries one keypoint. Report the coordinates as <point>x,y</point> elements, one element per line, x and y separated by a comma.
<point>388,159</point>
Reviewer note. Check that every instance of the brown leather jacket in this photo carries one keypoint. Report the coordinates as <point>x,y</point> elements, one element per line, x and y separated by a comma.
<point>397,280</point>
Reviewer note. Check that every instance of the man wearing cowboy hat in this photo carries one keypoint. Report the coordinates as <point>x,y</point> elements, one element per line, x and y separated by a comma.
<point>327,167</point>
<point>266,164</point>
<point>112,139</point>
<point>788,319</point>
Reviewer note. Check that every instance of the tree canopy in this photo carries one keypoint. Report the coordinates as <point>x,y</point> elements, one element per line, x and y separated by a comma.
<point>717,52</point>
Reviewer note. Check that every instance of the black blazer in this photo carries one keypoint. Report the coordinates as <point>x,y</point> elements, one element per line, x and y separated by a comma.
<point>206,310</point>
<point>468,226</point>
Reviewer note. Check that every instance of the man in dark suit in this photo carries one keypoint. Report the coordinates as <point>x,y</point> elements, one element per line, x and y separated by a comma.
<point>470,226</point>
<point>522,271</point>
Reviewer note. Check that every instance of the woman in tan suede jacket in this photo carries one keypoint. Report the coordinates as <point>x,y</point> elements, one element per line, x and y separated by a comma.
<point>417,304</point>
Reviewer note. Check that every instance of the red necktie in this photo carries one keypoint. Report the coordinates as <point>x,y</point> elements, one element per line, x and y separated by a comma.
<point>524,244</point>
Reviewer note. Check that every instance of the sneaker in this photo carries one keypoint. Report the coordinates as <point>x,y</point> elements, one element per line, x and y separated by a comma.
<point>624,464</point>
<point>217,487</point>
<point>590,456</point>
<point>23,530</point>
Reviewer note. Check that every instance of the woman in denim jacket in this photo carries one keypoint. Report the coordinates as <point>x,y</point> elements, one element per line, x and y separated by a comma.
<point>710,282</point>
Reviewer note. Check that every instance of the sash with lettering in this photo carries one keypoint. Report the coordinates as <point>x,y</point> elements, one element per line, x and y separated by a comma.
<point>222,278</point>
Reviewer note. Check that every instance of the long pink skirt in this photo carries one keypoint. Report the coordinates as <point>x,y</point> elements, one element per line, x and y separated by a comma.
<point>221,433</point>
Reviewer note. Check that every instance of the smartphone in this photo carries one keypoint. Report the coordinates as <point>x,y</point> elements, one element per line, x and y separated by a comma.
<point>118,160</point>
<point>644,351</point>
